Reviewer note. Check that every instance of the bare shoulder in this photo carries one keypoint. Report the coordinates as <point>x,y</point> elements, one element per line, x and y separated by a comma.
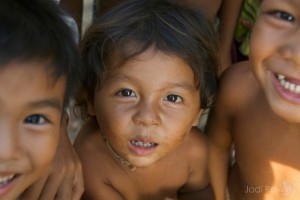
<point>197,145</point>
<point>196,155</point>
<point>236,84</point>
<point>101,171</point>
<point>86,137</point>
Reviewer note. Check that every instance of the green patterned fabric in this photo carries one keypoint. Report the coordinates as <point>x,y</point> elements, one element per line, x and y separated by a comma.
<point>248,14</point>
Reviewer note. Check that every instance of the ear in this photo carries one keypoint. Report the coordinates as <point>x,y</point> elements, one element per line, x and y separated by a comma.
<point>91,108</point>
<point>197,118</point>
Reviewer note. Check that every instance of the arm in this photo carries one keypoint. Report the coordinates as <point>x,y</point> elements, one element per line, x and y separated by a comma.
<point>228,14</point>
<point>219,131</point>
<point>197,185</point>
<point>64,181</point>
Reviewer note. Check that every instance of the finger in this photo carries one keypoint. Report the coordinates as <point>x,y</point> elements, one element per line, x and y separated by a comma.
<point>51,187</point>
<point>65,190</point>
<point>34,191</point>
<point>78,188</point>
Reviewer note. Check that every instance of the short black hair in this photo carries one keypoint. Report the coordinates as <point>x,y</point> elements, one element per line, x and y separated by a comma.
<point>142,24</point>
<point>35,30</point>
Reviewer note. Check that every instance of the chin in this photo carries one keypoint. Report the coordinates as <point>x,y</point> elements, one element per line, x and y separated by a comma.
<point>291,115</point>
<point>143,162</point>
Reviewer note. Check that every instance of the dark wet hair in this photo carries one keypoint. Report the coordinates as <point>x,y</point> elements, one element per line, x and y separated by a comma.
<point>135,26</point>
<point>34,30</point>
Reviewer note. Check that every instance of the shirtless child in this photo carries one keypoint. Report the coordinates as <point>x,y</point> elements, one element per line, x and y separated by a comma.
<point>38,61</point>
<point>150,70</point>
<point>258,109</point>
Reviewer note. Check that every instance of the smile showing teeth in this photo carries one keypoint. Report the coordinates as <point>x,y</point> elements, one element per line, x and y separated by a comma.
<point>292,87</point>
<point>5,180</point>
<point>141,144</point>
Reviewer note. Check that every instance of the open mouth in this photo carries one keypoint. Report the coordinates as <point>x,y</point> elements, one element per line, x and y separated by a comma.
<point>6,180</point>
<point>289,84</point>
<point>142,144</point>
<point>287,87</point>
<point>141,147</point>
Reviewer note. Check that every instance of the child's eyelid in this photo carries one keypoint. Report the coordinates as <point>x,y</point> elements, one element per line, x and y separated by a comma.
<point>46,119</point>
<point>280,14</point>
<point>119,92</point>
<point>178,97</point>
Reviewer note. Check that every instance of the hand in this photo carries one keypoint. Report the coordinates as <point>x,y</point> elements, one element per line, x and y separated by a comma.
<point>64,181</point>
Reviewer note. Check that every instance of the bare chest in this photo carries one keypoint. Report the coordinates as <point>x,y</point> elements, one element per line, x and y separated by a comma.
<point>267,152</point>
<point>153,184</point>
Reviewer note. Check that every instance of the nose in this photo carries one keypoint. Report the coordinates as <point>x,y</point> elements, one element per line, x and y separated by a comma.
<point>9,143</point>
<point>290,50</point>
<point>147,114</point>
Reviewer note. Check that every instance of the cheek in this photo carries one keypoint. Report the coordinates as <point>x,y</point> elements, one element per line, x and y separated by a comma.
<point>42,150</point>
<point>176,135</point>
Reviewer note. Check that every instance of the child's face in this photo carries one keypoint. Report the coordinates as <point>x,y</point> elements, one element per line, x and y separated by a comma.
<point>30,118</point>
<point>147,106</point>
<point>275,55</point>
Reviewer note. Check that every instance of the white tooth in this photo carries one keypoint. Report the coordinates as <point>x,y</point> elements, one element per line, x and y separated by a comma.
<point>281,77</point>
<point>292,87</point>
<point>297,90</point>
<point>5,180</point>
<point>282,82</point>
<point>286,85</point>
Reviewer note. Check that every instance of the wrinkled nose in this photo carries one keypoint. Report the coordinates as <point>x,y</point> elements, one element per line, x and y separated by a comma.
<point>9,143</point>
<point>290,50</point>
<point>147,114</point>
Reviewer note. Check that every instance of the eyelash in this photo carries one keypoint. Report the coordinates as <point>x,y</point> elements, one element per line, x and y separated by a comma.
<point>283,15</point>
<point>36,119</point>
<point>124,93</point>
<point>130,93</point>
<point>167,98</point>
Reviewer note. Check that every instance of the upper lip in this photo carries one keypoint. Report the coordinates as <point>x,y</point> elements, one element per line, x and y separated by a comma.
<point>288,77</point>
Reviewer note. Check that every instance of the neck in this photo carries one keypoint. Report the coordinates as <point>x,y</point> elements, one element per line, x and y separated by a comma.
<point>118,157</point>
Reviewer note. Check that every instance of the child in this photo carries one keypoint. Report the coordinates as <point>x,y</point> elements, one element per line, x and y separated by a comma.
<point>38,60</point>
<point>258,109</point>
<point>150,69</point>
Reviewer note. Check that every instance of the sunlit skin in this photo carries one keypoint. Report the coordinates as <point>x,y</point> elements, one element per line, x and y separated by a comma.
<point>31,104</point>
<point>151,99</point>
<point>258,108</point>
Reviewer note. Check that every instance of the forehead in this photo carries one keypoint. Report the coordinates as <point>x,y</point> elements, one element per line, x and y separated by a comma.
<point>296,2</point>
<point>152,67</point>
<point>151,54</point>
<point>31,80</point>
<point>30,68</point>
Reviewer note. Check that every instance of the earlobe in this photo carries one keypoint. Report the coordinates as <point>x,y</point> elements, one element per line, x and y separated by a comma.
<point>197,118</point>
<point>91,109</point>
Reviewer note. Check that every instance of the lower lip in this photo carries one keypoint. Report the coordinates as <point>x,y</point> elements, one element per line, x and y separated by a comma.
<point>141,150</point>
<point>5,188</point>
<point>284,93</point>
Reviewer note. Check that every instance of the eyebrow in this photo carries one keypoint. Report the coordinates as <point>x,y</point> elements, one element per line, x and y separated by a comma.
<point>183,85</point>
<point>52,103</point>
